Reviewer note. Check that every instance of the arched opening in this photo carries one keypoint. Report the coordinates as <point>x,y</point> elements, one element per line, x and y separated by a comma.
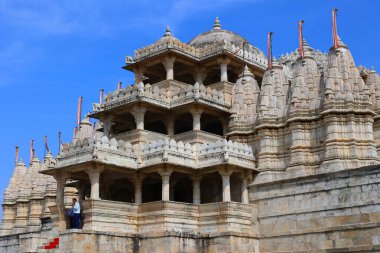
<point>122,124</point>
<point>183,123</point>
<point>211,124</point>
<point>181,188</point>
<point>235,187</point>
<point>211,188</point>
<point>121,190</point>
<point>152,188</point>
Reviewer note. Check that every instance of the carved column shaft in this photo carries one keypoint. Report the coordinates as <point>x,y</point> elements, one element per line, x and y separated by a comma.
<point>94,175</point>
<point>226,185</point>
<point>138,186</point>
<point>165,176</point>
<point>196,189</point>
<point>169,67</point>
<point>197,113</point>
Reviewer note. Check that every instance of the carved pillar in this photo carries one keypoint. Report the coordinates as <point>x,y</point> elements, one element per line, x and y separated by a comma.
<point>94,175</point>
<point>139,73</point>
<point>138,113</point>
<point>165,176</point>
<point>170,123</point>
<point>138,185</point>
<point>61,179</point>
<point>197,113</point>
<point>199,75</point>
<point>244,188</point>
<point>223,69</point>
<point>107,124</point>
<point>226,185</point>
<point>169,67</point>
<point>196,189</point>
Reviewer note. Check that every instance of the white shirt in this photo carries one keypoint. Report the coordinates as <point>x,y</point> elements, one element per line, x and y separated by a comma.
<point>76,207</point>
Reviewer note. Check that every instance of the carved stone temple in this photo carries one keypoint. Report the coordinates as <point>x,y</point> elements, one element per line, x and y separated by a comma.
<point>210,150</point>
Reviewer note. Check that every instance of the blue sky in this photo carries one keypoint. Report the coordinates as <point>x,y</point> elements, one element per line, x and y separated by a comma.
<point>51,52</point>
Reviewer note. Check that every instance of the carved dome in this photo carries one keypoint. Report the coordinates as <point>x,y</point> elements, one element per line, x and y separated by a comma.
<point>216,35</point>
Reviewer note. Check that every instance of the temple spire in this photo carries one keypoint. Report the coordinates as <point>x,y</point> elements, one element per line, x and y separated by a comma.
<point>217,25</point>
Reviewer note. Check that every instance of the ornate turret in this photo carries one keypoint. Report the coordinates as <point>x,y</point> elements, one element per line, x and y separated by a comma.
<point>245,96</point>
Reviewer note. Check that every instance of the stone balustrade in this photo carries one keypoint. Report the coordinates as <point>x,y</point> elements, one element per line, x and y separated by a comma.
<point>159,216</point>
<point>124,154</point>
<point>165,97</point>
<point>251,54</point>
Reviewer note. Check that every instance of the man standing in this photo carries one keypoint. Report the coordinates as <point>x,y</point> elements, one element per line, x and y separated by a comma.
<point>76,213</point>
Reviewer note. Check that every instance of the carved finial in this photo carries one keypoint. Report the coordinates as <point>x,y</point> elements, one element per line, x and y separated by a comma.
<point>168,32</point>
<point>217,25</point>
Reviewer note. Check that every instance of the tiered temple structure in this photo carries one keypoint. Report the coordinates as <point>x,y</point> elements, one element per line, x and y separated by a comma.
<point>211,150</point>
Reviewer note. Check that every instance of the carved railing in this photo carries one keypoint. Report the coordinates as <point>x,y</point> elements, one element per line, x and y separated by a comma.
<point>164,97</point>
<point>124,154</point>
<point>251,53</point>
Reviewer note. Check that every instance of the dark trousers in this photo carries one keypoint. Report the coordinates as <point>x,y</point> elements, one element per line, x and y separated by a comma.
<point>76,218</point>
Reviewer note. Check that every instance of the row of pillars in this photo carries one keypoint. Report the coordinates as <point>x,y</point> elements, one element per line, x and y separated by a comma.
<point>94,176</point>
<point>138,113</point>
<point>199,73</point>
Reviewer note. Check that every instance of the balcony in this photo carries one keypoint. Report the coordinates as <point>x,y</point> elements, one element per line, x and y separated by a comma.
<point>168,94</point>
<point>162,216</point>
<point>123,154</point>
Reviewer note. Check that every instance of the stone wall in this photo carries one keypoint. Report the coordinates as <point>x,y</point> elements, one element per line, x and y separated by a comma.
<point>334,212</point>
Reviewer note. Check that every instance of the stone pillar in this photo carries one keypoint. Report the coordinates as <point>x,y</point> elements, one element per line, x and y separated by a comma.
<point>197,113</point>
<point>165,176</point>
<point>196,189</point>
<point>169,67</point>
<point>199,75</point>
<point>138,185</point>
<point>226,185</point>
<point>61,179</point>
<point>94,175</point>
<point>223,69</point>
<point>107,124</point>
<point>138,113</point>
<point>170,124</point>
<point>139,73</point>
<point>244,190</point>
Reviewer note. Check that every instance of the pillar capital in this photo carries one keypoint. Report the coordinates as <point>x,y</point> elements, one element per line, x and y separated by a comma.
<point>165,172</point>
<point>225,173</point>
<point>138,113</point>
<point>196,111</point>
<point>168,63</point>
<point>94,175</point>
<point>225,61</point>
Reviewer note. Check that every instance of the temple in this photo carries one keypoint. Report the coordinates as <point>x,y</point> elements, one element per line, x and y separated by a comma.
<point>212,149</point>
